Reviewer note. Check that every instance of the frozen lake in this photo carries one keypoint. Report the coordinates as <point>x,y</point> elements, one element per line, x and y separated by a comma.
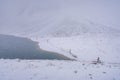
<point>12,47</point>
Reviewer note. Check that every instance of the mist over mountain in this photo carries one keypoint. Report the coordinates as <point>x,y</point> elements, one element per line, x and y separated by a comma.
<point>58,17</point>
<point>85,32</point>
<point>81,26</point>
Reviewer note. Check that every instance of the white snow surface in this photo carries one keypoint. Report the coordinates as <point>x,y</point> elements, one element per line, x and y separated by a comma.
<point>69,27</point>
<point>57,70</point>
<point>85,47</point>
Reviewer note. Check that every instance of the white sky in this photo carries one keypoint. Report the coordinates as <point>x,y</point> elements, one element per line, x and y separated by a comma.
<point>101,11</point>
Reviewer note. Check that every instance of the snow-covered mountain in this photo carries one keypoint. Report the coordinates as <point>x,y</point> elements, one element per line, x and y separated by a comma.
<point>70,27</point>
<point>63,25</point>
<point>79,29</point>
<point>56,18</point>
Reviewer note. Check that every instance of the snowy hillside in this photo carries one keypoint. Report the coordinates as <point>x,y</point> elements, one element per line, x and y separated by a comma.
<point>62,27</point>
<point>84,30</point>
<point>64,17</point>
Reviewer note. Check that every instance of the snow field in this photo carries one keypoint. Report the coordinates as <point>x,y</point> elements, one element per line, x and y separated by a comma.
<point>85,47</point>
<point>57,70</point>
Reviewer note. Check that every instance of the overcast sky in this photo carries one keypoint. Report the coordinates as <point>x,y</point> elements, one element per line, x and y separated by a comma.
<point>101,11</point>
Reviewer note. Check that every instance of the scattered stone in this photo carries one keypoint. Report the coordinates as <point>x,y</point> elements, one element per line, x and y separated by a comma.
<point>104,72</point>
<point>90,74</point>
<point>91,77</point>
<point>75,71</point>
<point>83,64</point>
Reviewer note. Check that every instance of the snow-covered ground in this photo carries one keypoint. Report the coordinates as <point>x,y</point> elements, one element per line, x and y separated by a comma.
<point>80,29</point>
<point>85,47</point>
<point>57,70</point>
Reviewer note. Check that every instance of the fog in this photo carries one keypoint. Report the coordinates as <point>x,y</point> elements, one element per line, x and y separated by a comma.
<point>17,13</point>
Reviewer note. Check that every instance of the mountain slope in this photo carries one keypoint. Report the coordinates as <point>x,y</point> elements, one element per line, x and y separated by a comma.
<point>58,18</point>
<point>64,25</point>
